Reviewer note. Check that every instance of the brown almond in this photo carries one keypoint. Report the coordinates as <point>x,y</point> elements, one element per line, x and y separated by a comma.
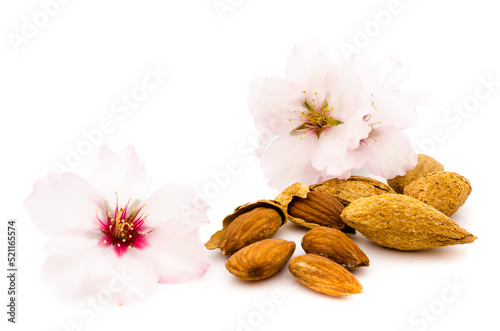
<point>323,275</point>
<point>334,245</point>
<point>252,222</point>
<point>317,209</point>
<point>402,222</point>
<point>257,224</point>
<point>425,165</point>
<point>351,189</point>
<point>261,259</point>
<point>446,191</point>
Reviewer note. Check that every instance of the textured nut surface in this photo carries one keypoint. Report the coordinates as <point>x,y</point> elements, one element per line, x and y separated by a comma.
<point>425,165</point>
<point>261,259</point>
<point>323,275</point>
<point>318,209</point>
<point>402,222</point>
<point>446,191</point>
<point>215,240</point>
<point>353,188</point>
<point>334,245</point>
<point>257,224</point>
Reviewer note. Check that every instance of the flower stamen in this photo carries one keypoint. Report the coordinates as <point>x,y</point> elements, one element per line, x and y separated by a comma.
<point>317,118</point>
<point>122,229</point>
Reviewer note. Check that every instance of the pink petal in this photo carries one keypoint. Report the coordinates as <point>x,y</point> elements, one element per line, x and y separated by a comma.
<point>120,172</point>
<point>307,67</point>
<point>368,73</point>
<point>398,111</point>
<point>135,276</point>
<point>76,262</point>
<point>325,177</point>
<point>343,87</point>
<point>331,152</point>
<point>392,154</point>
<point>359,129</point>
<point>176,201</point>
<point>272,103</point>
<point>392,74</point>
<point>63,201</point>
<point>287,160</point>
<point>176,252</point>
<point>361,155</point>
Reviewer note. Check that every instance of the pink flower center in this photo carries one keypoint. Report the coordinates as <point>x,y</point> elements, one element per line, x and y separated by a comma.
<point>316,119</point>
<point>123,228</point>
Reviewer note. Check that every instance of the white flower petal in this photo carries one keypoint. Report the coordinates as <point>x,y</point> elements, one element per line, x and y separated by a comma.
<point>343,87</point>
<point>368,73</point>
<point>307,67</point>
<point>392,74</point>
<point>176,201</point>
<point>176,251</point>
<point>135,275</point>
<point>398,111</point>
<point>287,160</point>
<point>392,154</point>
<point>361,154</point>
<point>120,172</point>
<point>272,103</point>
<point>360,130</point>
<point>63,201</point>
<point>76,262</point>
<point>331,152</point>
<point>344,175</point>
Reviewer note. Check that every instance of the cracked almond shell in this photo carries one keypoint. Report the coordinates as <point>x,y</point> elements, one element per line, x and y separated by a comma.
<point>351,189</point>
<point>249,223</point>
<point>405,223</point>
<point>312,209</point>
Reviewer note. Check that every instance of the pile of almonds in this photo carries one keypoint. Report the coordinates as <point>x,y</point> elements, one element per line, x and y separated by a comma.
<point>410,213</point>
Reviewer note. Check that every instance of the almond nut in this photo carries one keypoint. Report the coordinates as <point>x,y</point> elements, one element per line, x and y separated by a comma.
<point>323,275</point>
<point>248,224</point>
<point>446,191</point>
<point>402,222</point>
<point>334,245</point>
<point>425,165</point>
<point>260,223</point>
<point>318,209</point>
<point>261,259</point>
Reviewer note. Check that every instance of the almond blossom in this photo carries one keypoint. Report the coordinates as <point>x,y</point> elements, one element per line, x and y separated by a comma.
<point>325,119</point>
<point>108,226</point>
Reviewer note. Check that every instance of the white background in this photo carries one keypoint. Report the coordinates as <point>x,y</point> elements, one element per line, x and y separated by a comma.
<point>65,78</point>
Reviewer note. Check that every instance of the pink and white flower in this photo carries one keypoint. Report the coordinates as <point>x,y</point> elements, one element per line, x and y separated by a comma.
<point>108,226</point>
<point>325,119</point>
